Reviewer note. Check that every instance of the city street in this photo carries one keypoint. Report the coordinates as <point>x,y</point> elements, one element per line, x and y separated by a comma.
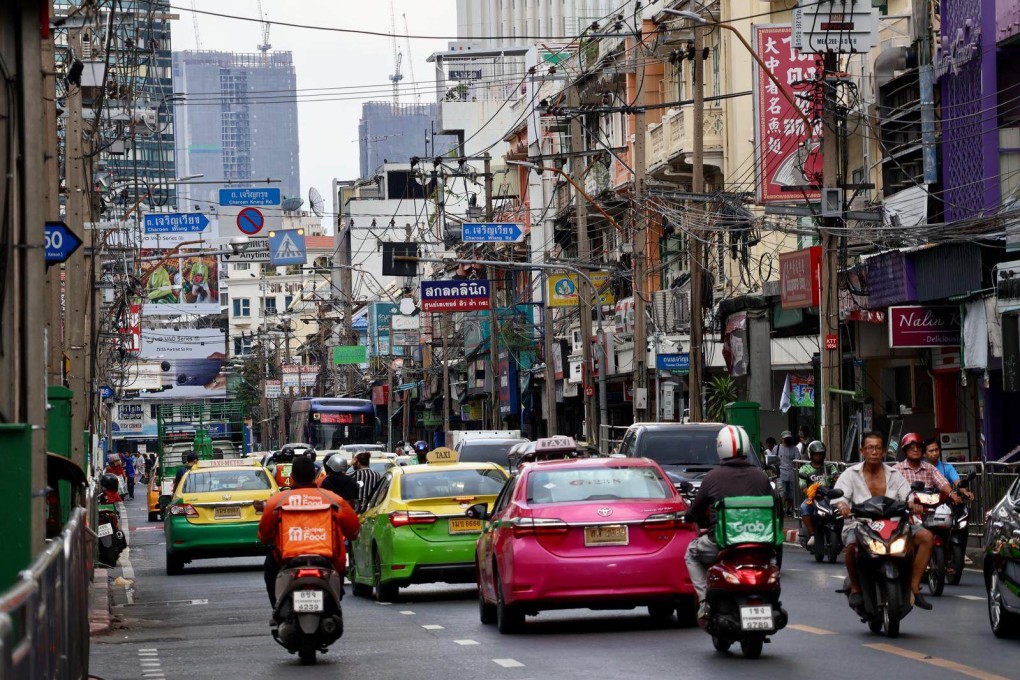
<point>213,622</point>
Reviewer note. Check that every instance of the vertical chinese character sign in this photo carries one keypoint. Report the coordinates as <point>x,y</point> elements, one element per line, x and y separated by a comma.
<point>780,132</point>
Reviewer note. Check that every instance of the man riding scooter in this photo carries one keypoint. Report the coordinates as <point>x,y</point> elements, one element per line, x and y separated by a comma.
<point>819,473</point>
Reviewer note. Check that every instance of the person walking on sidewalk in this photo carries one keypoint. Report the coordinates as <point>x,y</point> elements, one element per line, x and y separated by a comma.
<point>129,470</point>
<point>788,453</point>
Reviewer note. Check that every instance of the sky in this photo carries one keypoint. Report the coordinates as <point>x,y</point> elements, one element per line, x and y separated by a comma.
<point>329,129</point>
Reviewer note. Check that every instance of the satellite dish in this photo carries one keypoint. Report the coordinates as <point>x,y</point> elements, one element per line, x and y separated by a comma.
<point>292,204</point>
<point>315,201</point>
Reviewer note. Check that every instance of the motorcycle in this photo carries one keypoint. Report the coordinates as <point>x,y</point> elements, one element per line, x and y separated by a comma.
<point>111,539</point>
<point>959,537</point>
<point>307,617</point>
<point>884,559</point>
<point>743,598</point>
<point>937,517</point>
<point>828,524</point>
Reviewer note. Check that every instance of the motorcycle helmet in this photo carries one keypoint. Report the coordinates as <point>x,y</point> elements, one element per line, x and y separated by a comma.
<point>421,447</point>
<point>909,439</point>
<point>337,463</point>
<point>732,442</point>
<point>109,482</point>
<point>816,447</point>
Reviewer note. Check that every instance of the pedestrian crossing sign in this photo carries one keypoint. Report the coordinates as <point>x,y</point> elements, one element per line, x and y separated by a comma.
<point>287,246</point>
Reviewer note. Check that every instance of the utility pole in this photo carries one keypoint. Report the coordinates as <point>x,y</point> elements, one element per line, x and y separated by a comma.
<point>263,402</point>
<point>54,313</point>
<point>445,332</point>
<point>584,292</point>
<point>78,269</point>
<point>694,378</point>
<point>343,229</point>
<point>828,310</point>
<point>639,257</point>
<point>549,349</point>
<point>493,306</point>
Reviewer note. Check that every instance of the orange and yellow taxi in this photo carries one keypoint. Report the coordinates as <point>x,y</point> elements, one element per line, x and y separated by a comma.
<point>215,512</point>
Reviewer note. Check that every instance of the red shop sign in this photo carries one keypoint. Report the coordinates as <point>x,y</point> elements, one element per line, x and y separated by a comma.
<point>920,326</point>
<point>800,277</point>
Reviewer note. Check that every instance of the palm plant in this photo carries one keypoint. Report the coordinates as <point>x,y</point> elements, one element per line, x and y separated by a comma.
<point>722,390</point>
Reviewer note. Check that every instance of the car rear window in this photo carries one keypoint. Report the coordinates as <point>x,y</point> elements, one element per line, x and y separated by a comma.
<point>451,483</point>
<point>578,484</point>
<point>678,447</point>
<point>487,450</point>
<point>201,481</point>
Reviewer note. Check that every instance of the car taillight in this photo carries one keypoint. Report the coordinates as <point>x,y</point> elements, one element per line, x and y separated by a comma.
<point>665,520</point>
<point>401,518</point>
<point>308,573</point>
<point>259,506</point>
<point>185,509</point>
<point>527,526</point>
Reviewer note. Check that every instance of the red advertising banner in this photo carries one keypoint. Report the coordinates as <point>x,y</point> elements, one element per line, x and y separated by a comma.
<point>920,326</point>
<point>779,130</point>
<point>800,277</point>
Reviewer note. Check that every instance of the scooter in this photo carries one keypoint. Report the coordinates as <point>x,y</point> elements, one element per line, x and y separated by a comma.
<point>828,525</point>
<point>937,517</point>
<point>307,617</point>
<point>743,598</point>
<point>959,537</point>
<point>111,539</point>
<point>884,559</point>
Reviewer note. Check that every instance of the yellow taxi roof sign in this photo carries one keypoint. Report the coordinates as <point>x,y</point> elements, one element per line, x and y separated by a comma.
<point>227,462</point>
<point>558,443</point>
<point>442,455</point>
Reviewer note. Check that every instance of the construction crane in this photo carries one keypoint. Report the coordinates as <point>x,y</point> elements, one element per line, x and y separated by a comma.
<point>265,46</point>
<point>397,58</point>
<point>410,62</point>
<point>194,24</point>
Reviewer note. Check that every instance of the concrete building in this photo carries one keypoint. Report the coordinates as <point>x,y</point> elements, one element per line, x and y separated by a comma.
<point>394,133</point>
<point>509,22</point>
<point>232,124</point>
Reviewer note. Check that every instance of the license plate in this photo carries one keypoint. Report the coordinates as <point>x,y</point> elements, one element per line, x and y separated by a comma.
<point>465,526</point>
<point>104,530</point>
<point>756,618</point>
<point>230,512</point>
<point>606,534</point>
<point>308,600</point>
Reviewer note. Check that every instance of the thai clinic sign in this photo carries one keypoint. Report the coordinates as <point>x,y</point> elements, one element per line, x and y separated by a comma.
<point>800,278</point>
<point>455,296</point>
<point>920,326</point>
<point>273,389</point>
<point>784,169</point>
<point>562,289</point>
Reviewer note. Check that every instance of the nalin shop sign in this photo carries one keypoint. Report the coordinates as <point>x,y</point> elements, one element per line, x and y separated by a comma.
<point>920,326</point>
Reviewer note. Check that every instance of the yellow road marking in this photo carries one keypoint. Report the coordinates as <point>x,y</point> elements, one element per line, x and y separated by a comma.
<point>810,629</point>
<point>936,661</point>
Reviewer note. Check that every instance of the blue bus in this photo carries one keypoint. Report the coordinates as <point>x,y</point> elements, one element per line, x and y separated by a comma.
<point>328,423</point>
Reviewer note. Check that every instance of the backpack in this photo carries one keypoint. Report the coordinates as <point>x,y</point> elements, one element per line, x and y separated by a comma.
<point>306,525</point>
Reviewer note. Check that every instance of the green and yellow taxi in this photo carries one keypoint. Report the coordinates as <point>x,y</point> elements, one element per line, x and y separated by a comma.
<point>215,512</point>
<point>413,529</point>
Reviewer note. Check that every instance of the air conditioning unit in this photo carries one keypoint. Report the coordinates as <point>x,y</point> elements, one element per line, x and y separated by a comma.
<point>1007,286</point>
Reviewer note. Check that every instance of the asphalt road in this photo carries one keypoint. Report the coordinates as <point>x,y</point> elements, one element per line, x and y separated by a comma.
<point>213,622</point>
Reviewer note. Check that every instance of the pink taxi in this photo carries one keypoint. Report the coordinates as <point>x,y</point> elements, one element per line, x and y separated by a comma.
<point>598,533</point>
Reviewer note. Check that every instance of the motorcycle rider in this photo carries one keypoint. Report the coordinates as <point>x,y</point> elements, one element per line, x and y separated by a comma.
<point>189,462</point>
<point>915,469</point>
<point>867,479</point>
<point>345,522</point>
<point>933,456</point>
<point>820,473</point>
<point>338,479</point>
<point>421,449</point>
<point>734,476</point>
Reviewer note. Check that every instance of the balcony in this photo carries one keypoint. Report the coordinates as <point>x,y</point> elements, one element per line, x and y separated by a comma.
<point>670,143</point>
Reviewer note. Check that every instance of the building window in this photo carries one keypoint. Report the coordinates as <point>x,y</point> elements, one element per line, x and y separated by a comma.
<point>286,302</point>
<point>270,306</point>
<point>242,307</point>
<point>242,346</point>
<point>293,269</point>
<point>241,266</point>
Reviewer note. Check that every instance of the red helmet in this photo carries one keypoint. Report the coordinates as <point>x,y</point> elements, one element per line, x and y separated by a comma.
<point>909,439</point>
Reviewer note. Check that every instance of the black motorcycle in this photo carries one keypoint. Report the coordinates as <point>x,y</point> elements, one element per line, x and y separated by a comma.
<point>111,541</point>
<point>828,524</point>
<point>307,617</point>
<point>959,537</point>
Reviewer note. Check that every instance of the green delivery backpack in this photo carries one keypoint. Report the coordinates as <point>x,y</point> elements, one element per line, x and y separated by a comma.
<point>748,519</point>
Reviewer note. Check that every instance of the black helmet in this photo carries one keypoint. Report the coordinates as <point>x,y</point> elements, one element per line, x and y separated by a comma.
<point>109,482</point>
<point>816,447</point>
<point>421,447</point>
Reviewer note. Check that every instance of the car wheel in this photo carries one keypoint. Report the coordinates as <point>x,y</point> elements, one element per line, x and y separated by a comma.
<point>384,592</point>
<point>486,611</point>
<point>174,564</point>
<point>509,618</point>
<point>662,614</point>
<point>687,612</point>
<point>1004,624</point>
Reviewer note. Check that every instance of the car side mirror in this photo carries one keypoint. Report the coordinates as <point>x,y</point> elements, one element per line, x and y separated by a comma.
<point>917,486</point>
<point>478,511</point>
<point>771,460</point>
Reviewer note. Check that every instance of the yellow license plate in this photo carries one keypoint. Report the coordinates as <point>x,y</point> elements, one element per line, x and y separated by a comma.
<point>465,526</point>
<point>230,512</point>
<point>606,534</point>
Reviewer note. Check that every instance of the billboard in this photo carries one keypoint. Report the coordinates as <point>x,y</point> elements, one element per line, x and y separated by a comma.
<point>190,343</point>
<point>923,326</point>
<point>562,289</point>
<point>778,129</point>
<point>180,283</point>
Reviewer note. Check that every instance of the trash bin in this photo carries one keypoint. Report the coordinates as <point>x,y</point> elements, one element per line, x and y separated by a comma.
<point>746,414</point>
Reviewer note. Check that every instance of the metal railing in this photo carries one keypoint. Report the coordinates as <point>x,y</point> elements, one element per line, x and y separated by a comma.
<point>44,617</point>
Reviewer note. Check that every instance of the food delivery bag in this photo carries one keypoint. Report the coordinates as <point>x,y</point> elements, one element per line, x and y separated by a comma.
<point>748,519</point>
<point>306,525</point>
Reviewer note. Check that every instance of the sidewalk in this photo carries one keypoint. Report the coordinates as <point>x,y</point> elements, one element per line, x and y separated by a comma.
<point>99,605</point>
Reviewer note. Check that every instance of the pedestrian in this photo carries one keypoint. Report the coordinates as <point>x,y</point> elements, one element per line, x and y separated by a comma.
<point>804,433</point>
<point>367,479</point>
<point>770,446</point>
<point>788,453</point>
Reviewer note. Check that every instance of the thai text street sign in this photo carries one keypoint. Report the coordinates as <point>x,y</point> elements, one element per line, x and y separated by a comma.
<point>492,232</point>
<point>175,223</point>
<point>800,276</point>
<point>273,389</point>
<point>920,326</point>
<point>454,296</point>
<point>250,196</point>
<point>673,362</point>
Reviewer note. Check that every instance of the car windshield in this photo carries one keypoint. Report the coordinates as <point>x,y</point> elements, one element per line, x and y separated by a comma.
<point>201,481</point>
<point>451,483</point>
<point>380,466</point>
<point>679,447</point>
<point>487,450</point>
<point>579,484</point>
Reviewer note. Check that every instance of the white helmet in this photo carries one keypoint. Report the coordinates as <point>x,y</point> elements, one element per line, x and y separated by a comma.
<point>732,442</point>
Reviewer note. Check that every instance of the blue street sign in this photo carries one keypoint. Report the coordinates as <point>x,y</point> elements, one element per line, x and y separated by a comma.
<point>492,232</point>
<point>673,362</point>
<point>287,247</point>
<point>251,196</point>
<point>175,223</point>
<point>61,242</point>
<point>250,221</point>
<point>105,392</point>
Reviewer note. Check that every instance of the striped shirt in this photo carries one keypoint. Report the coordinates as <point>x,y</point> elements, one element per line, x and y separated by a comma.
<point>926,474</point>
<point>368,481</point>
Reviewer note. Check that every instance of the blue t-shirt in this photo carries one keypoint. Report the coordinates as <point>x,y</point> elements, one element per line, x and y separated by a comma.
<point>948,471</point>
<point>129,466</point>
